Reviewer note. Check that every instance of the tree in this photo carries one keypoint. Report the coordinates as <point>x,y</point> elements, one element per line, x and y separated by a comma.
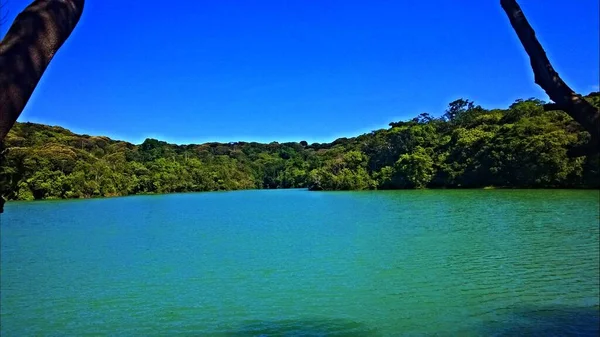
<point>33,39</point>
<point>458,107</point>
<point>423,118</point>
<point>548,79</point>
<point>415,168</point>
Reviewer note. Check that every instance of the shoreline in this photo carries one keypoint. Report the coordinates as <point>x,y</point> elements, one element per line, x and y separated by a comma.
<point>487,188</point>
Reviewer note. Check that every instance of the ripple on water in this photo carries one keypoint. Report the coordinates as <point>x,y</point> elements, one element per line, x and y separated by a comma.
<point>299,263</point>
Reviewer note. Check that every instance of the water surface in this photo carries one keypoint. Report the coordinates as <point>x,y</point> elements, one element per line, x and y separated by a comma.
<point>299,263</point>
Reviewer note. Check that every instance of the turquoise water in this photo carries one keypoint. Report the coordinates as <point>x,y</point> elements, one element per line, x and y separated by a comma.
<point>299,263</point>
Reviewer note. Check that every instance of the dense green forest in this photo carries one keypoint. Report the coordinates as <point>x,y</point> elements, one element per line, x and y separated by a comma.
<point>468,146</point>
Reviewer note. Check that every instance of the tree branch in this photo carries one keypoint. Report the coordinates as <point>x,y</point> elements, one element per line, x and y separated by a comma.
<point>554,107</point>
<point>26,50</point>
<point>548,79</point>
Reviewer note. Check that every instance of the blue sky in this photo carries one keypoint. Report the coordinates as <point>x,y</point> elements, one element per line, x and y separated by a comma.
<point>199,71</point>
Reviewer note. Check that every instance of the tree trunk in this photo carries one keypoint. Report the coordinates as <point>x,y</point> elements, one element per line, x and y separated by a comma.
<point>28,47</point>
<point>548,79</point>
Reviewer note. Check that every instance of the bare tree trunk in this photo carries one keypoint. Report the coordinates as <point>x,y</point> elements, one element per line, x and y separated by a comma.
<point>548,79</point>
<point>28,47</point>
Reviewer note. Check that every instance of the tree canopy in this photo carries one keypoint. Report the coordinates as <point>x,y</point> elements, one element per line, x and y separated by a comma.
<point>468,146</point>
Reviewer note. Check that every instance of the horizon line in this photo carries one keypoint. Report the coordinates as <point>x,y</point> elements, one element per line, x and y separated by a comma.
<point>183,142</point>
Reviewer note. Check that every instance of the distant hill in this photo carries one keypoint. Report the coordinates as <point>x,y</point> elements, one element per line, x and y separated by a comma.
<point>521,146</point>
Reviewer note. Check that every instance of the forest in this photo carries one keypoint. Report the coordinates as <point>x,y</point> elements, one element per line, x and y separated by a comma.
<point>468,146</point>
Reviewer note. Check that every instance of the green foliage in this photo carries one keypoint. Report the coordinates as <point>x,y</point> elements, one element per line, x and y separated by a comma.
<point>415,169</point>
<point>521,146</point>
<point>458,108</point>
<point>347,171</point>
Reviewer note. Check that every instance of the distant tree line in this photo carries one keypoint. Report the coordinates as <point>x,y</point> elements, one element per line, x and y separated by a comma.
<point>468,147</point>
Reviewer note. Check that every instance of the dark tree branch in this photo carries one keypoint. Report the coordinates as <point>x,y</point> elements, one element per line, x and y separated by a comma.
<point>549,80</point>
<point>554,106</point>
<point>26,50</point>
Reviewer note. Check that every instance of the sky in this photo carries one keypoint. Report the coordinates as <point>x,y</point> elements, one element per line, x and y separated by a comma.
<point>200,71</point>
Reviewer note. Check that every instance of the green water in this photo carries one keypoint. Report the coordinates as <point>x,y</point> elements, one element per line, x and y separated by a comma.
<point>299,263</point>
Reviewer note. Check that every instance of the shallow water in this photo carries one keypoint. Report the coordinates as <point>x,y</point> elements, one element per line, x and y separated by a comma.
<point>299,263</point>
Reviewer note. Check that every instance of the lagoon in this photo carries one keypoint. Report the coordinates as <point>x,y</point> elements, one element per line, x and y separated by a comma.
<point>300,263</point>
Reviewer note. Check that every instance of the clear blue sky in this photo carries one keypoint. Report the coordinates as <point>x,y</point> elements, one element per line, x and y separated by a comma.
<point>198,71</point>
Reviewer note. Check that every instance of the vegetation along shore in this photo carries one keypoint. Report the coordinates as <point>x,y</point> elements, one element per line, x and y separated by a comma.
<point>468,147</point>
